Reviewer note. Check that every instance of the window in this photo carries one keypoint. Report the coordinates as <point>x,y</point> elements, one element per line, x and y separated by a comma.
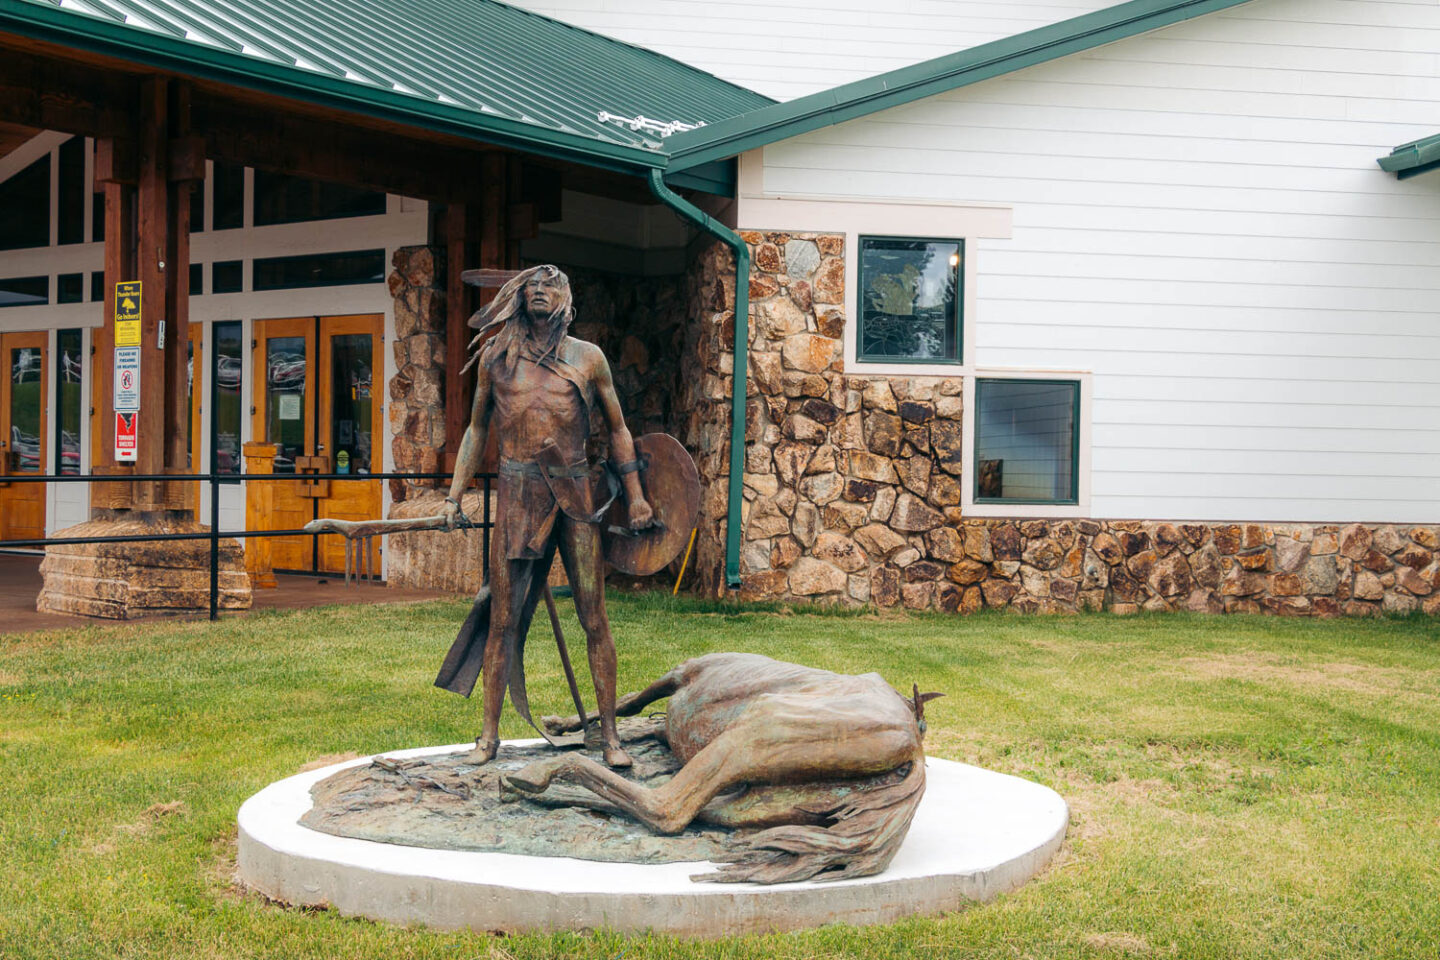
<point>197,279</point>
<point>910,296</point>
<point>70,288</point>
<point>25,207</point>
<point>319,270</point>
<point>25,292</point>
<point>1027,441</point>
<point>69,401</point>
<point>280,198</point>
<point>71,202</point>
<point>225,412</point>
<point>227,276</point>
<point>229,195</point>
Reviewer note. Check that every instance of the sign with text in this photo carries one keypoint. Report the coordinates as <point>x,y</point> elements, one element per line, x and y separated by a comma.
<point>127,379</point>
<point>126,442</point>
<point>127,314</point>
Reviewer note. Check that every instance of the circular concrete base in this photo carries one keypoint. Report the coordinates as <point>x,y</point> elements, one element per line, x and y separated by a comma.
<point>976,835</point>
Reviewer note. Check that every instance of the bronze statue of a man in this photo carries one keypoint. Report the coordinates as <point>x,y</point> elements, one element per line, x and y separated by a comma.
<point>535,388</point>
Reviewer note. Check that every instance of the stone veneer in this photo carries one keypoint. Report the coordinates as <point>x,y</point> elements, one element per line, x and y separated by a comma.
<point>417,391</point>
<point>852,487</point>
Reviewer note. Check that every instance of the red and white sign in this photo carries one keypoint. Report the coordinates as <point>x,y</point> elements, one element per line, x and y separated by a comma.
<point>125,440</point>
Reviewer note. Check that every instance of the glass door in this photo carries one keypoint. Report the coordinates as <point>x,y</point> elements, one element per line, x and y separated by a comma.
<point>283,365</point>
<point>315,399</point>
<point>351,367</point>
<point>23,440</point>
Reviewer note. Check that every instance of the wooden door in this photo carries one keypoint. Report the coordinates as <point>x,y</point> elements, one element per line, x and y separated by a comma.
<point>282,370</point>
<point>350,426</point>
<point>24,443</point>
<point>317,384</point>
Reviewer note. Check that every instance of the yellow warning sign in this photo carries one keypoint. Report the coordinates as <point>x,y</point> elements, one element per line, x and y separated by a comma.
<point>127,314</point>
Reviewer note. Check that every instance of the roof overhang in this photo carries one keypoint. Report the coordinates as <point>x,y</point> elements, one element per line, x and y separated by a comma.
<point>728,138</point>
<point>1412,159</point>
<point>95,35</point>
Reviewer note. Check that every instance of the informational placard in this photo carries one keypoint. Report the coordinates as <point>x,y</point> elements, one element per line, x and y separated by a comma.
<point>289,406</point>
<point>127,314</point>
<point>126,441</point>
<point>127,379</point>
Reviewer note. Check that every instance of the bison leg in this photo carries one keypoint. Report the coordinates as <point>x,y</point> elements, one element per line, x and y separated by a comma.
<point>665,809</point>
<point>627,706</point>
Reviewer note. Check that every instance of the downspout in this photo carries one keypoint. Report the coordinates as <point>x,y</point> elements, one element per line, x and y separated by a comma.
<point>742,339</point>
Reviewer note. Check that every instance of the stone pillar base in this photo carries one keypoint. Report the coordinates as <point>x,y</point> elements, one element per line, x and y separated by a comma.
<point>127,581</point>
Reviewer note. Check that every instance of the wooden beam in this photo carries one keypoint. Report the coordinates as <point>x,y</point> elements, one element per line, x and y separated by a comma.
<point>321,149</point>
<point>63,95</point>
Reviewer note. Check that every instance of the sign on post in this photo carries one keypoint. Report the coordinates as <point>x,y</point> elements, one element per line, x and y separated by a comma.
<point>127,314</point>
<point>126,442</point>
<point>127,379</point>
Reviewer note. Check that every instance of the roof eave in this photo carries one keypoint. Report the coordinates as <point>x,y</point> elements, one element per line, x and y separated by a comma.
<point>728,138</point>
<point>95,35</point>
<point>1412,159</point>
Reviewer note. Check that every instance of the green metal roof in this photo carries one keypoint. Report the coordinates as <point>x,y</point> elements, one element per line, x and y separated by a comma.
<point>782,121</point>
<point>1412,159</point>
<point>477,68</point>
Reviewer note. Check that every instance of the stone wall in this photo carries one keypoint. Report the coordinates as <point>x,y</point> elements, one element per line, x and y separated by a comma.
<point>417,391</point>
<point>852,488</point>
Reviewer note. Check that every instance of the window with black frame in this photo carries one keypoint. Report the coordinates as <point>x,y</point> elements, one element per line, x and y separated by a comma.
<point>226,411</point>
<point>1027,441</point>
<point>910,300</point>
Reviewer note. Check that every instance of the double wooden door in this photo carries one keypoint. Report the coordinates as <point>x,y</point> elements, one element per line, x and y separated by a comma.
<point>317,383</point>
<point>24,446</point>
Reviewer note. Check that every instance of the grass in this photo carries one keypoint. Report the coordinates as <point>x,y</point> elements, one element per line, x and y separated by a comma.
<point>1239,787</point>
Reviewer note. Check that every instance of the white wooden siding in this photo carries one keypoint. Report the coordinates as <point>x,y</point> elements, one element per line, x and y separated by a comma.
<point>1199,220</point>
<point>789,48</point>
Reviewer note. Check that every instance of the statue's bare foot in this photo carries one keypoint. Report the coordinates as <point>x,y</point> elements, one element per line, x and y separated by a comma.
<point>616,758</point>
<point>484,752</point>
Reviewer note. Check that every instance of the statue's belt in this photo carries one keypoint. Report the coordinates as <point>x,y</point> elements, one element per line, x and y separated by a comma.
<point>552,469</point>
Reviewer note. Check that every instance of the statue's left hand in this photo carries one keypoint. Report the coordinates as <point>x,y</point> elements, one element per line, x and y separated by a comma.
<point>641,515</point>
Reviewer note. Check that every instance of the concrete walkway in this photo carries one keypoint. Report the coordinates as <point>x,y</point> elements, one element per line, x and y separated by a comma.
<point>20,585</point>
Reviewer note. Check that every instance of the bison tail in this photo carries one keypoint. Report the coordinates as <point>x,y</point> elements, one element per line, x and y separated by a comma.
<point>865,834</point>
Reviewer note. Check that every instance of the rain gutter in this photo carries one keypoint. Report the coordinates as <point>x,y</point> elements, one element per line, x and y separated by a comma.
<point>742,339</point>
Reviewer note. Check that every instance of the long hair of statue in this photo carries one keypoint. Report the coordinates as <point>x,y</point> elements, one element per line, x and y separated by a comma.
<point>504,316</point>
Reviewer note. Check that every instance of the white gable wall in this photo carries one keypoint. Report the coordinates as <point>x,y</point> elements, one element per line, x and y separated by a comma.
<point>789,48</point>
<point>1200,222</point>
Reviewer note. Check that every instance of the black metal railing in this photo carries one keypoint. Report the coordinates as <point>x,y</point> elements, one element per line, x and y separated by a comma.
<point>217,480</point>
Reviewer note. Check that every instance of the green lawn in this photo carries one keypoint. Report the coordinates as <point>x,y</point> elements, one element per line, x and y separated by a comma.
<point>1239,787</point>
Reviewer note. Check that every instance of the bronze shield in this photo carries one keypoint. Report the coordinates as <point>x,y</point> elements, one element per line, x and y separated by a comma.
<point>672,486</point>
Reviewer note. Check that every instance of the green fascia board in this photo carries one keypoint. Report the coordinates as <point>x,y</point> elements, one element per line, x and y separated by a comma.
<point>1412,159</point>
<point>718,177</point>
<point>97,35</point>
<point>728,138</point>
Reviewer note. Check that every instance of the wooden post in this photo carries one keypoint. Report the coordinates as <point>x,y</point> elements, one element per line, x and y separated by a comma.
<point>460,228</point>
<point>152,250</point>
<point>259,508</point>
<point>115,172</point>
<point>184,163</point>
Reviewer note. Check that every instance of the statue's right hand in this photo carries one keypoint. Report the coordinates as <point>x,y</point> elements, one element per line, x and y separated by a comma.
<point>451,513</point>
